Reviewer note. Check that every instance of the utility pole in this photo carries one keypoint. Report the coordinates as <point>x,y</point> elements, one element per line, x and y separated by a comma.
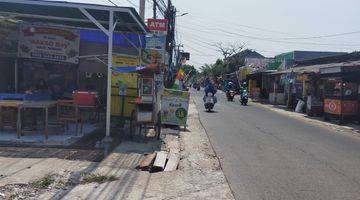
<point>142,9</point>
<point>154,8</point>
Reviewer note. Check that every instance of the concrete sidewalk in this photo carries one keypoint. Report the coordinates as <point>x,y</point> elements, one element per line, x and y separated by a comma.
<point>199,175</point>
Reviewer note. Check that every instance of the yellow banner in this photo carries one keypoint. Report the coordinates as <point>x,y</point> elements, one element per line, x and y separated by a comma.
<point>125,61</point>
<point>129,79</point>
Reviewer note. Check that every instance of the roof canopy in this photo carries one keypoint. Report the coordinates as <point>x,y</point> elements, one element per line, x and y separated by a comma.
<point>72,14</point>
<point>317,68</point>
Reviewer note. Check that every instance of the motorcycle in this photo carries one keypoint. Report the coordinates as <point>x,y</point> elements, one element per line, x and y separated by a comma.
<point>209,102</point>
<point>244,98</point>
<point>230,95</point>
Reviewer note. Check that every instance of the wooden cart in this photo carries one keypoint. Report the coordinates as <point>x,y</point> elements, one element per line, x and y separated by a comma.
<point>340,100</point>
<point>146,114</point>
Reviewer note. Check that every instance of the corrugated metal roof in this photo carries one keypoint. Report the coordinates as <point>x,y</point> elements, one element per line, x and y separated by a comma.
<point>67,13</point>
<point>316,68</point>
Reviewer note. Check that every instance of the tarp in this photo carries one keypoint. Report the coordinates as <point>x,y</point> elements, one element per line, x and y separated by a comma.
<point>119,39</point>
<point>128,69</point>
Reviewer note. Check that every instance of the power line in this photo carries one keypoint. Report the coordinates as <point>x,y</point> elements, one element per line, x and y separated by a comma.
<point>233,26</point>
<point>271,39</point>
<point>132,3</point>
<point>112,2</point>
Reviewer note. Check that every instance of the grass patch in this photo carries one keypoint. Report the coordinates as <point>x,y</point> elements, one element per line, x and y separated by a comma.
<point>45,182</point>
<point>97,178</point>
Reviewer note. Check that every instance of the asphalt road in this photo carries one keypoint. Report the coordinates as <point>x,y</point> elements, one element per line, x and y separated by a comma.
<point>266,155</point>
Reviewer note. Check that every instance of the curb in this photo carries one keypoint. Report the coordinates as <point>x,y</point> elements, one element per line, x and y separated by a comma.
<point>212,147</point>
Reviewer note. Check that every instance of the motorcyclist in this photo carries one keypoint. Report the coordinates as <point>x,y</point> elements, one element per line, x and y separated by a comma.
<point>210,88</point>
<point>229,86</point>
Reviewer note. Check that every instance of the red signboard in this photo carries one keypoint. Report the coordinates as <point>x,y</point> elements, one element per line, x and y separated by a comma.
<point>332,106</point>
<point>158,25</point>
<point>339,107</point>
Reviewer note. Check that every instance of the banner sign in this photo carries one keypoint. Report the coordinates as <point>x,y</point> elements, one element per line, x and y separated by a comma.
<point>125,61</point>
<point>174,107</point>
<point>49,43</point>
<point>129,79</point>
<point>156,42</point>
<point>8,38</point>
<point>160,25</point>
<point>338,107</point>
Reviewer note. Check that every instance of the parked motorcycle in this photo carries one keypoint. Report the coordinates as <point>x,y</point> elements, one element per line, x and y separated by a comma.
<point>244,98</point>
<point>230,95</point>
<point>209,102</point>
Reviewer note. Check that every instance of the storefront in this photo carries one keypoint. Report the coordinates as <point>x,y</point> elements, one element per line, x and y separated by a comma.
<point>341,92</point>
<point>47,55</point>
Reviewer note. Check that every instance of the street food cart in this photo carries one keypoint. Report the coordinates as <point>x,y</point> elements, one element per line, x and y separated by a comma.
<point>340,99</point>
<point>146,112</point>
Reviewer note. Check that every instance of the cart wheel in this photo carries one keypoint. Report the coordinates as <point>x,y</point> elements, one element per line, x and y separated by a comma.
<point>158,125</point>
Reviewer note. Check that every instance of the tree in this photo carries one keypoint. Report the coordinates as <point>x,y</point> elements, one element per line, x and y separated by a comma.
<point>227,52</point>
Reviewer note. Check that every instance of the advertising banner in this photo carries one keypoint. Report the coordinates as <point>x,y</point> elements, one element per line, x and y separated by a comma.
<point>124,86</point>
<point>49,43</point>
<point>174,107</point>
<point>156,42</point>
<point>125,61</point>
<point>8,38</point>
<point>124,79</point>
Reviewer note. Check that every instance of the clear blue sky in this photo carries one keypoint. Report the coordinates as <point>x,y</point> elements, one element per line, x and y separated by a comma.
<point>270,27</point>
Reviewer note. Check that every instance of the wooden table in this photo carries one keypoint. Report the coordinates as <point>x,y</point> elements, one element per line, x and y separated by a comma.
<point>11,104</point>
<point>45,105</point>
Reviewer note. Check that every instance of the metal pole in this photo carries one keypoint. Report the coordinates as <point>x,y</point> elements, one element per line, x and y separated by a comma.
<point>110,52</point>
<point>16,76</point>
<point>154,9</point>
<point>142,9</point>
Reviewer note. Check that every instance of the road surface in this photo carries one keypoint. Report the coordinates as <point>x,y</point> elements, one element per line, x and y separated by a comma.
<point>266,155</point>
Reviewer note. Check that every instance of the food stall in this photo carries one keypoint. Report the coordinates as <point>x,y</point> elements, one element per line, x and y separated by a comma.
<point>340,98</point>
<point>41,56</point>
<point>146,112</point>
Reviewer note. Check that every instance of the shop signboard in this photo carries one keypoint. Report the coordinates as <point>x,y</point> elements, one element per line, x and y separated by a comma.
<point>8,38</point>
<point>174,107</point>
<point>49,43</point>
<point>156,42</point>
<point>158,25</point>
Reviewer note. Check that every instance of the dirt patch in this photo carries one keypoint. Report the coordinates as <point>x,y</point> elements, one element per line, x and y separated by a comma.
<point>32,191</point>
<point>98,178</point>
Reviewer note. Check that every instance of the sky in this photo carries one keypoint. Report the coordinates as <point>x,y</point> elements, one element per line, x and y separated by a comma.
<point>270,27</point>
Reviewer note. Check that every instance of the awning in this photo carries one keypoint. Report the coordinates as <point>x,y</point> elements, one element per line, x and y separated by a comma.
<point>320,67</point>
<point>71,14</point>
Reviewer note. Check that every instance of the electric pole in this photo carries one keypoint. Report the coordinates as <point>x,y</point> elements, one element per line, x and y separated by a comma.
<point>154,8</point>
<point>142,9</point>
